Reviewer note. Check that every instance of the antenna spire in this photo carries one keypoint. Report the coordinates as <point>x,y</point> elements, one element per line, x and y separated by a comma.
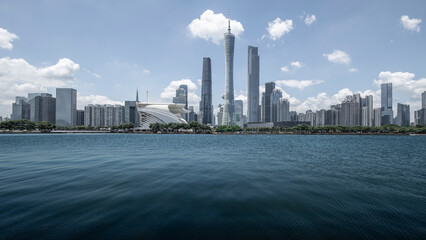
<point>229,21</point>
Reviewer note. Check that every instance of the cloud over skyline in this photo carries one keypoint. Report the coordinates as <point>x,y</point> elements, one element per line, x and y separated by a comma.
<point>338,56</point>
<point>6,39</point>
<point>277,28</point>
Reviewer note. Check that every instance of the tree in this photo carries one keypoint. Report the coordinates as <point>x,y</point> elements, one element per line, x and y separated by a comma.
<point>45,126</point>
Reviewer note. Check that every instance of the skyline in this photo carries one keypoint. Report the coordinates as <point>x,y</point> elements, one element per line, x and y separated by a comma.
<point>306,56</point>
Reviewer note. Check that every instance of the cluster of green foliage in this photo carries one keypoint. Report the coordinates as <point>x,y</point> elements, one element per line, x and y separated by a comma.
<point>392,129</point>
<point>179,127</point>
<point>123,126</point>
<point>233,128</point>
<point>26,125</point>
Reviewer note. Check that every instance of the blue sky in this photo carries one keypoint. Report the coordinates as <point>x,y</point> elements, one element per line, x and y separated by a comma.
<point>107,49</point>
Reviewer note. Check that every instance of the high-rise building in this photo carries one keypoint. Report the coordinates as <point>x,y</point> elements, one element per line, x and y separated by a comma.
<point>367,111</point>
<point>320,118</point>
<point>119,111</point>
<point>228,106</point>
<point>276,96</point>
<point>351,111</point>
<point>206,107</point>
<point>253,85</point>
<point>403,115</point>
<point>377,120</point>
<point>267,107</point>
<point>43,107</point>
<point>182,98</point>
<point>192,116</point>
<point>66,107</point>
<point>420,117</point>
<point>310,117</point>
<point>424,99</point>
<point>262,108</point>
<point>284,110</point>
<point>386,103</point>
<point>220,115</point>
<point>239,116</point>
<point>80,117</point>
<point>21,109</point>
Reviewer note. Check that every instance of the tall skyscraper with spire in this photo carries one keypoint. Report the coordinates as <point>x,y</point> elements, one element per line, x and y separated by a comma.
<point>253,85</point>
<point>228,107</point>
<point>206,107</point>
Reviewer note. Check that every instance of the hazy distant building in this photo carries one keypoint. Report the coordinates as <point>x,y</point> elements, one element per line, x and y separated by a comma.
<point>420,117</point>
<point>253,85</point>
<point>182,98</point>
<point>403,115</point>
<point>239,116</point>
<point>284,110</point>
<point>206,107</point>
<point>351,111</point>
<point>21,109</point>
<point>192,116</point>
<point>42,107</point>
<point>66,107</point>
<point>386,103</point>
<point>424,99</point>
<point>276,96</point>
<point>367,111</point>
<point>310,117</point>
<point>320,118</point>
<point>220,115</point>
<point>228,105</point>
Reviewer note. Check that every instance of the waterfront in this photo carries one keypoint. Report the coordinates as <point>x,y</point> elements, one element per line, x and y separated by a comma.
<point>211,186</point>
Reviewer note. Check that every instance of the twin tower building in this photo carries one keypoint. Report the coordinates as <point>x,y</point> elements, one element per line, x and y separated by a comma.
<point>228,116</point>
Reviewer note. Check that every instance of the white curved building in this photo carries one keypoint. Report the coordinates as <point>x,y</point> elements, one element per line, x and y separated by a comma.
<point>160,113</point>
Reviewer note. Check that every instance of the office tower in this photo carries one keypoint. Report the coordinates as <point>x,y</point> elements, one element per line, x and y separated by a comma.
<point>284,110</point>
<point>228,106</point>
<point>262,108</point>
<point>377,120</point>
<point>386,103</point>
<point>43,107</point>
<point>80,118</point>
<point>239,118</point>
<point>403,115</point>
<point>192,116</point>
<point>253,85</point>
<point>21,109</point>
<point>293,115</point>
<point>182,98</point>
<point>320,118</point>
<point>206,107</point>
<point>275,101</point>
<point>420,117</point>
<point>424,99</point>
<point>367,111</point>
<point>88,115</point>
<point>220,115</point>
<point>267,107</point>
<point>66,107</point>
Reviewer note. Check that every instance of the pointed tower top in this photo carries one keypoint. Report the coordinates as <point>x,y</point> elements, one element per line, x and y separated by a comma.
<point>229,21</point>
<point>137,95</point>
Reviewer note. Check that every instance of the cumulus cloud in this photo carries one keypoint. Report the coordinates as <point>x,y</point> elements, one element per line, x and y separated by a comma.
<point>146,71</point>
<point>338,56</point>
<point>277,28</point>
<point>300,84</point>
<point>403,82</point>
<point>170,91</point>
<point>353,70</point>
<point>411,24</point>
<point>284,69</point>
<point>296,64</point>
<point>211,26</point>
<point>310,19</point>
<point>18,78</point>
<point>6,39</point>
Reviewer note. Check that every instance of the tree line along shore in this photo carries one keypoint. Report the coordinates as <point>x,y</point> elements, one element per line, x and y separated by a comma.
<point>27,126</point>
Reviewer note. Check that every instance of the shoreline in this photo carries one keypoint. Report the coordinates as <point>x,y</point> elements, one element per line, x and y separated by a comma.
<point>215,133</point>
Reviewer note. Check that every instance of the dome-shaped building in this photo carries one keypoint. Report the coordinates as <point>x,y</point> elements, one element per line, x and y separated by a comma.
<point>160,113</point>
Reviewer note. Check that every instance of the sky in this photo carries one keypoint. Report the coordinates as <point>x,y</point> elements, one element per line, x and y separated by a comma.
<point>317,52</point>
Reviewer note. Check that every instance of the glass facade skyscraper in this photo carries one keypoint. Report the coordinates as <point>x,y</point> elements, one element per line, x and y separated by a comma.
<point>228,117</point>
<point>206,107</point>
<point>66,107</point>
<point>253,85</point>
<point>182,98</point>
<point>386,103</point>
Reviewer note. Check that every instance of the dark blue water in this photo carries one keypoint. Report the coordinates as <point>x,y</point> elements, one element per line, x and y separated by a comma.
<point>208,187</point>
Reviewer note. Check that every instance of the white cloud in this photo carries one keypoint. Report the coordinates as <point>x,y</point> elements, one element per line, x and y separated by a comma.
<point>284,69</point>
<point>353,70</point>
<point>411,24</point>
<point>170,91</point>
<point>6,39</point>
<point>18,78</point>
<point>321,101</point>
<point>300,84</point>
<point>277,28</point>
<point>212,26</point>
<point>338,56</point>
<point>83,101</point>
<point>403,83</point>
<point>296,64</point>
<point>310,19</point>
